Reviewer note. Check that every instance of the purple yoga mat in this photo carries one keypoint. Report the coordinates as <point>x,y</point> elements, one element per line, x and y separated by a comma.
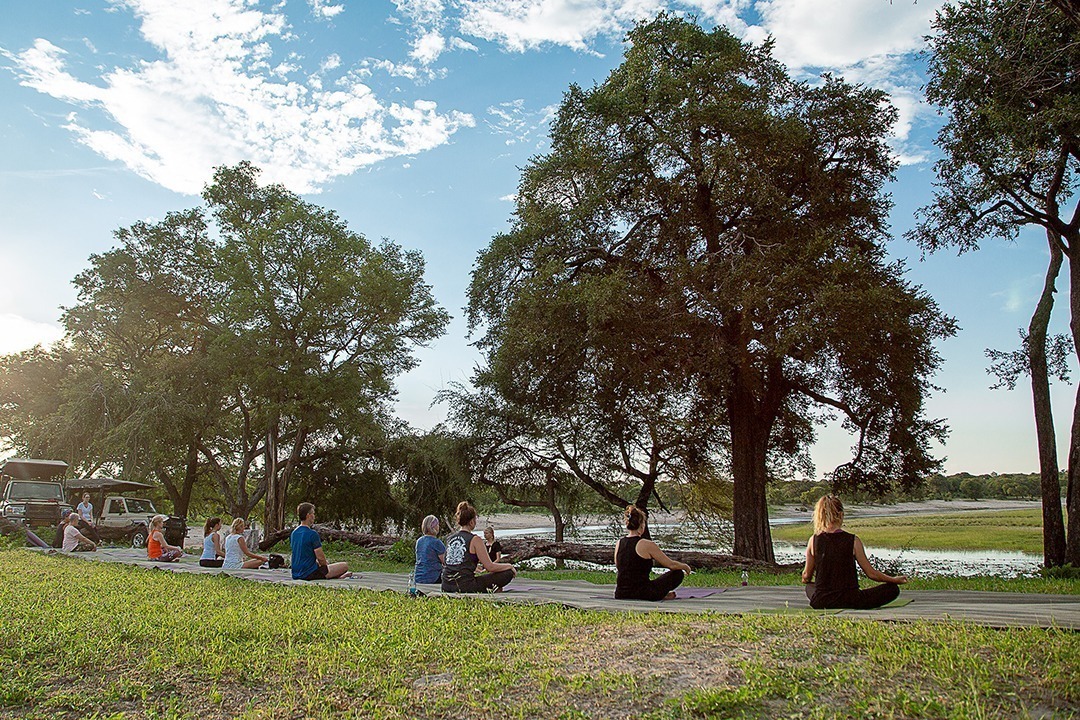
<point>696,592</point>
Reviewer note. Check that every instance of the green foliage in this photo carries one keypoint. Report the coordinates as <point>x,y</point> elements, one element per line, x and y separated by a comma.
<point>1062,572</point>
<point>241,344</point>
<point>696,275</point>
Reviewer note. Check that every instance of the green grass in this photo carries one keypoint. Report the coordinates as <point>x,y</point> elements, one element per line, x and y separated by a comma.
<point>81,639</point>
<point>984,530</point>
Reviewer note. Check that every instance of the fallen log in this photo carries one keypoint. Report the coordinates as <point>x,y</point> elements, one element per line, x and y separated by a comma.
<point>328,533</point>
<point>518,549</point>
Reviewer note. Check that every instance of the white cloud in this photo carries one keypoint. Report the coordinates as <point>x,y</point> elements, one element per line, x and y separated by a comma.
<point>332,62</point>
<point>509,198</point>
<point>521,25</point>
<point>18,334</point>
<point>422,12</point>
<point>323,8</point>
<point>865,41</point>
<point>518,123</point>
<point>841,33</point>
<point>212,99</point>
<point>428,47</point>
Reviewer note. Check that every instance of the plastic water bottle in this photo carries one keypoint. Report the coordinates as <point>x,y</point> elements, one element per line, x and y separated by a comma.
<point>745,578</point>
<point>412,584</point>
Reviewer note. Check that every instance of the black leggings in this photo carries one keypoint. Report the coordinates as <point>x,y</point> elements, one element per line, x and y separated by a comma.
<point>487,582</point>
<point>211,563</point>
<point>656,589</point>
<point>867,599</point>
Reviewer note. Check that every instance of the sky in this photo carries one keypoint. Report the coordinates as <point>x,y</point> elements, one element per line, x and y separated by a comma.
<point>412,119</point>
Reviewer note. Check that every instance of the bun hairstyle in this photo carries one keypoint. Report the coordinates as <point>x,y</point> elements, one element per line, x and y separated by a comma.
<point>465,513</point>
<point>635,517</point>
<point>829,511</point>
<point>211,523</point>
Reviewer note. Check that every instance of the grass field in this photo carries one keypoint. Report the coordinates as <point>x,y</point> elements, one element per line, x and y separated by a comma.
<point>83,640</point>
<point>990,530</point>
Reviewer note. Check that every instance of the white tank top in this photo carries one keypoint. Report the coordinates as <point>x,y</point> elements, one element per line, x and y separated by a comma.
<point>234,557</point>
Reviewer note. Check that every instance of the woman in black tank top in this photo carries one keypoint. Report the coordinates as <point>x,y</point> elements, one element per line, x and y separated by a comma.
<point>464,551</point>
<point>634,556</point>
<point>831,554</point>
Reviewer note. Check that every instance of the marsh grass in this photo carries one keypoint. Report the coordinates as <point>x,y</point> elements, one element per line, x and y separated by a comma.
<point>1019,530</point>
<point>81,639</point>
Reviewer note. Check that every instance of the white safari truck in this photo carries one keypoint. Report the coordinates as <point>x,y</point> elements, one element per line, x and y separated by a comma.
<point>116,517</point>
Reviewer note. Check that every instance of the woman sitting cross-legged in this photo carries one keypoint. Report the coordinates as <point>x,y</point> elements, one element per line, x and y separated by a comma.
<point>236,550</point>
<point>831,554</point>
<point>634,557</point>
<point>464,551</point>
<point>212,554</point>
<point>430,552</point>
<point>157,548</point>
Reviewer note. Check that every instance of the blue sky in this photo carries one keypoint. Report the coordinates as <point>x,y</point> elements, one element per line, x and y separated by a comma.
<point>411,119</point>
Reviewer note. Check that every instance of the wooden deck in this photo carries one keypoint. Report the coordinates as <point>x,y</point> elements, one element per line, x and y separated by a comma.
<point>981,608</point>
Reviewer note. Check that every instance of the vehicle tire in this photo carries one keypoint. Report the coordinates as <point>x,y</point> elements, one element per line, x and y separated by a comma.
<point>138,539</point>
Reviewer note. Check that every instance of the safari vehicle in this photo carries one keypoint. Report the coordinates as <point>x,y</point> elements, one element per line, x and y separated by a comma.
<point>32,492</point>
<point>118,517</point>
<point>131,515</point>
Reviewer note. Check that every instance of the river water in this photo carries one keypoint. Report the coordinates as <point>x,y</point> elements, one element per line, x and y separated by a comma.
<point>717,538</point>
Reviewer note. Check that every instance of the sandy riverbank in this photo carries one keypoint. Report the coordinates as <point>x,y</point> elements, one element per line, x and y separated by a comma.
<point>520,521</point>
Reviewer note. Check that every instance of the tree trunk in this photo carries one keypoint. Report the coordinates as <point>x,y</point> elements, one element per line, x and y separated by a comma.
<point>1072,492</point>
<point>749,447</point>
<point>273,510</point>
<point>1053,524</point>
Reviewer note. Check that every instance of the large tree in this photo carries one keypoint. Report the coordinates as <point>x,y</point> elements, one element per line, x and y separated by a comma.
<point>320,321</point>
<point>249,348</point>
<point>1006,76</point>
<point>736,220</point>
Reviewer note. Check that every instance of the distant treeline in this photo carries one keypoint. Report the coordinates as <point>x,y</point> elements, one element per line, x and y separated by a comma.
<point>959,486</point>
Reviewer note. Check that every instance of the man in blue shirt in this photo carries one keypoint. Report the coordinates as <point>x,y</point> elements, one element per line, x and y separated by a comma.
<point>308,560</point>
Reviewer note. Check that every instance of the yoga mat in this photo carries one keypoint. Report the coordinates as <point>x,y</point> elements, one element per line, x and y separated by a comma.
<point>793,611</point>
<point>680,594</point>
<point>898,602</point>
<point>696,592</point>
<point>521,588</point>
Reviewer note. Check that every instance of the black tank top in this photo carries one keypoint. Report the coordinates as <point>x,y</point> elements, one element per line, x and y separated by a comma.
<point>834,563</point>
<point>460,563</point>
<point>632,569</point>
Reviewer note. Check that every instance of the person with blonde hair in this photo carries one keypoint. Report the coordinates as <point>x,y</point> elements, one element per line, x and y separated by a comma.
<point>464,551</point>
<point>236,550</point>
<point>494,547</point>
<point>634,558</point>
<point>831,554</point>
<point>430,552</point>
<point>157,548</point>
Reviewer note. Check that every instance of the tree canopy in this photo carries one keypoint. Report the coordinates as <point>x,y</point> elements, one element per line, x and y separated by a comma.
<point>698,266</point>
<point>1005,75</point>
<point>250,342</point>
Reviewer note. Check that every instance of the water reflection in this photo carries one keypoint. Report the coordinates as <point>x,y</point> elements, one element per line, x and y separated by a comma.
<point>716,537</point>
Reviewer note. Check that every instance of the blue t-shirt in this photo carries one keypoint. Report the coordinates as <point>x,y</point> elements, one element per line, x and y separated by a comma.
<point>428,550</point>
<point>304,541</point>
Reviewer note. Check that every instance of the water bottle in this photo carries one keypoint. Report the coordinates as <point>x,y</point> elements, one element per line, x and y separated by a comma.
<point>412,584</point>
<point>745,578</point>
